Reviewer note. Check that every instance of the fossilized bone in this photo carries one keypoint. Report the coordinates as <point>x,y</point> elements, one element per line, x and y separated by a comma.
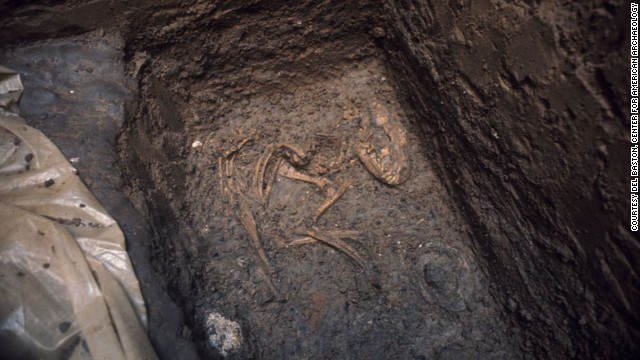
<point>341,234</point>
<point>290,172</point>
<point>330,201</point>
<point>272,286</point>
<point>336,243</point>
<point>295,154</point>
<point>272,179</point>
<point>248,221</point>
<point>389,164</point>
<point>237,147</point>
<point>261,166</point>
<point>220,171</point>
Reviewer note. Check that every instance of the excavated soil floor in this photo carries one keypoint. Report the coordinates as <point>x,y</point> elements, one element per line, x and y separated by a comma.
<point>405,286</point>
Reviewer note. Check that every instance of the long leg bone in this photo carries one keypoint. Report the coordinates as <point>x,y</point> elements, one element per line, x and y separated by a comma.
<point>267,278</point>
<point>340,234</point>
<point>290,172</point>
<point>249,222</point>
<point>272,179</point>
<point>261,166</point>
<point>330,201</point>
<point>280,243</point>
<point>337,244</point>
<point>230,180</point>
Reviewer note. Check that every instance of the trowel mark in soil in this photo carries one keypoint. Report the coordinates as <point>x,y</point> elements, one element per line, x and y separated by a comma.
<point>291,212</point>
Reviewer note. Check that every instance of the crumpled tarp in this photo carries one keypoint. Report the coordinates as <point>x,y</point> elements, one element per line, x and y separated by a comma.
<point>68,289</point>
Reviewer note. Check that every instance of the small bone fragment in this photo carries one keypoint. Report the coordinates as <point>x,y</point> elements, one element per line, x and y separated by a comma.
<point>364,120</point>
<point>230,166</point>
<point>385,152</point>
<point>280,243</point>
<point>230,183</point>
<point>238,147</point>
<point>380,113</point>
<point>295,150</point>
<point>341,151</point>
<point>302,241</point>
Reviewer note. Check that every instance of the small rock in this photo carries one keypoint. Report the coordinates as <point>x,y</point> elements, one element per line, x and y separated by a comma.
<point>224,335</point>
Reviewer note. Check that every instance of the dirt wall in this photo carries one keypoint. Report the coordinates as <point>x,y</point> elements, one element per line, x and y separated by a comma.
<point>525,105</point>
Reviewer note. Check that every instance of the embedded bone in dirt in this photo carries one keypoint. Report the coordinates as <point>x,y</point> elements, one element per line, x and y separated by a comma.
<point>386,160</point>
<point>249,223</point>
<point>338,244</point>
<point>272,180</point>
<point>288,156</point>
<point>381,152</point>
<point>261,167</point>
<point>330,201</point>
<point>294,153</point>
<point>290,172</point>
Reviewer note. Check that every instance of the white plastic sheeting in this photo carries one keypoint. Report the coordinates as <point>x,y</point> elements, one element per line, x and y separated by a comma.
<point>67,286</point>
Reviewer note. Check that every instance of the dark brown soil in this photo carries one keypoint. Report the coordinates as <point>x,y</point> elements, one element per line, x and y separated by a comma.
<point>507,240</point>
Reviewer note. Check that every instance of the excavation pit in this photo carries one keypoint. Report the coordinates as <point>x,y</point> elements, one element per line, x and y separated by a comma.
<point>244,134</point>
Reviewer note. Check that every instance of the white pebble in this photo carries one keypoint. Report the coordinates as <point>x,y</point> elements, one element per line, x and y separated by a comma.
<point>224,335</point>
<point>196,144</point>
